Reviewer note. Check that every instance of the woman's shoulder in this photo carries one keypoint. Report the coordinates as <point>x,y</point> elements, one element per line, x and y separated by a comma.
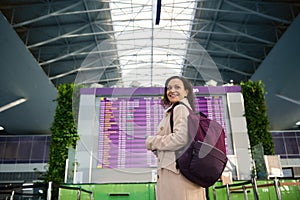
<point>184,102</point>
<point>182,106</point>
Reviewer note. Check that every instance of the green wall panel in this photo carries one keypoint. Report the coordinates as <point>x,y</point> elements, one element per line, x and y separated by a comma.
<point>146,191</point>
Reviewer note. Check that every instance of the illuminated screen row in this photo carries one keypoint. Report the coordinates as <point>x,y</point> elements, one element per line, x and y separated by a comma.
<point>126,120</point>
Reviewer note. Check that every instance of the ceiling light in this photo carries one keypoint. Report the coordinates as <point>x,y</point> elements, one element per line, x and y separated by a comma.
<point>288,99</point>
<point>1,128</point>
<point>12,104</point>
<point>298,123</point>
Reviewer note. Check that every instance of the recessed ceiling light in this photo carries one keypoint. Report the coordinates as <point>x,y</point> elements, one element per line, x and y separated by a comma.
<point>12,104</point>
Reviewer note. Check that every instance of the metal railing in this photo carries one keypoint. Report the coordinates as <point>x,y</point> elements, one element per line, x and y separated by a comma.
<point>244,187</point>
<point>79,191</point>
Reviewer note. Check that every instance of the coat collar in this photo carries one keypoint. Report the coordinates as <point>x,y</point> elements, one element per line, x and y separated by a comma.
<point>185,101</point>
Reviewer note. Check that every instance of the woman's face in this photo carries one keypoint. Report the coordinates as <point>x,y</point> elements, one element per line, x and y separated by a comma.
<point>175,90</point>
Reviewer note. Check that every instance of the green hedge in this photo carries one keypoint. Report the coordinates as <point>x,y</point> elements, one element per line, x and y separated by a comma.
<point>256,115</point>
<point>64,135</point>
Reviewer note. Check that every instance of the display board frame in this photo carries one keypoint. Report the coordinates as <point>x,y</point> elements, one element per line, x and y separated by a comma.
<point>88,152</point>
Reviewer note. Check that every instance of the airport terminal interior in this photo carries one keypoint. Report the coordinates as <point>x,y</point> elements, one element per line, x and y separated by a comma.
<point>123,51</point>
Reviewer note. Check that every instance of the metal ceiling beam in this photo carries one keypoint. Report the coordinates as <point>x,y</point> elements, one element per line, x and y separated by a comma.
<point>65,56</point>
<point>223,11</point>
<point>242,44</point>
<point>245,34</point>
<point>237,53</point>
<point>233,70</point>
<point>71,35</point>
<point>213,24</point>
<point>81,69</point>
<point>89,34</point>
<point>265,16</point>
<point>90,25</point>
<point>80,52</point>
<point>78,12</point>
<point>86,68</point>
<point>44,16</point>
<point>102,80</point>
<point>56,38</point>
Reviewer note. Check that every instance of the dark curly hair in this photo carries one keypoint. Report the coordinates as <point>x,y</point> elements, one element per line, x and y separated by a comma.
<point>187,86</point>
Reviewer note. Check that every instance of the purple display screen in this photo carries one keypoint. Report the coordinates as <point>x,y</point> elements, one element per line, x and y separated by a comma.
<point>124,123</point>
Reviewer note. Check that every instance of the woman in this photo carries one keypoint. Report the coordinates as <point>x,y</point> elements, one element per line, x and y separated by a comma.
<point>171,184</point>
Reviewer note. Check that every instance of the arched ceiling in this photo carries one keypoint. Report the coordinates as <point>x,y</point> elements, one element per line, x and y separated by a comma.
<point>117,42</point>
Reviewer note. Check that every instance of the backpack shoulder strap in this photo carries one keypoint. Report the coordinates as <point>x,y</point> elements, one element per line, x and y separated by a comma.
<point>171,116</point>
<point>190,110</point>
<point>171,113</point>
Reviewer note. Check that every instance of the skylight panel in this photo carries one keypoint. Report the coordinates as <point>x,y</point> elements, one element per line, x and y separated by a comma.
<point>148,53</point>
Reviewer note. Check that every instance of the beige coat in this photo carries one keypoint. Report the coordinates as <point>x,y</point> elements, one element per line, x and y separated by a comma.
<point>171,185</point>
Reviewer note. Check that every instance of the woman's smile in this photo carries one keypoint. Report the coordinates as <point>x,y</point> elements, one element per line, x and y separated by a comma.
<point>176,90</point>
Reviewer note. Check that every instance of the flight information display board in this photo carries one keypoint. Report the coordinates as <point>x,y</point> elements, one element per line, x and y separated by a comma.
<point>124,125</point>
<point>125,121</point>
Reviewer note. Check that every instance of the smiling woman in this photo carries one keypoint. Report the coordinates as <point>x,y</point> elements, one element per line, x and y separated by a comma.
<point>182,89</point>
<point>176,90</point>
<point>171,184</point>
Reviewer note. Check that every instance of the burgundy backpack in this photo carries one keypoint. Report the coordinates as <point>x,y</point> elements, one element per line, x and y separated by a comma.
<point>203,159</point>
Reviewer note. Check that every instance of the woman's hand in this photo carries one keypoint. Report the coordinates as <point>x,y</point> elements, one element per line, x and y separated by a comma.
<point>148,143</point>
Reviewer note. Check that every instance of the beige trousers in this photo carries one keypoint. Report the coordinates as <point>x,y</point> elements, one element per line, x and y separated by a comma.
<point>172,186</point>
